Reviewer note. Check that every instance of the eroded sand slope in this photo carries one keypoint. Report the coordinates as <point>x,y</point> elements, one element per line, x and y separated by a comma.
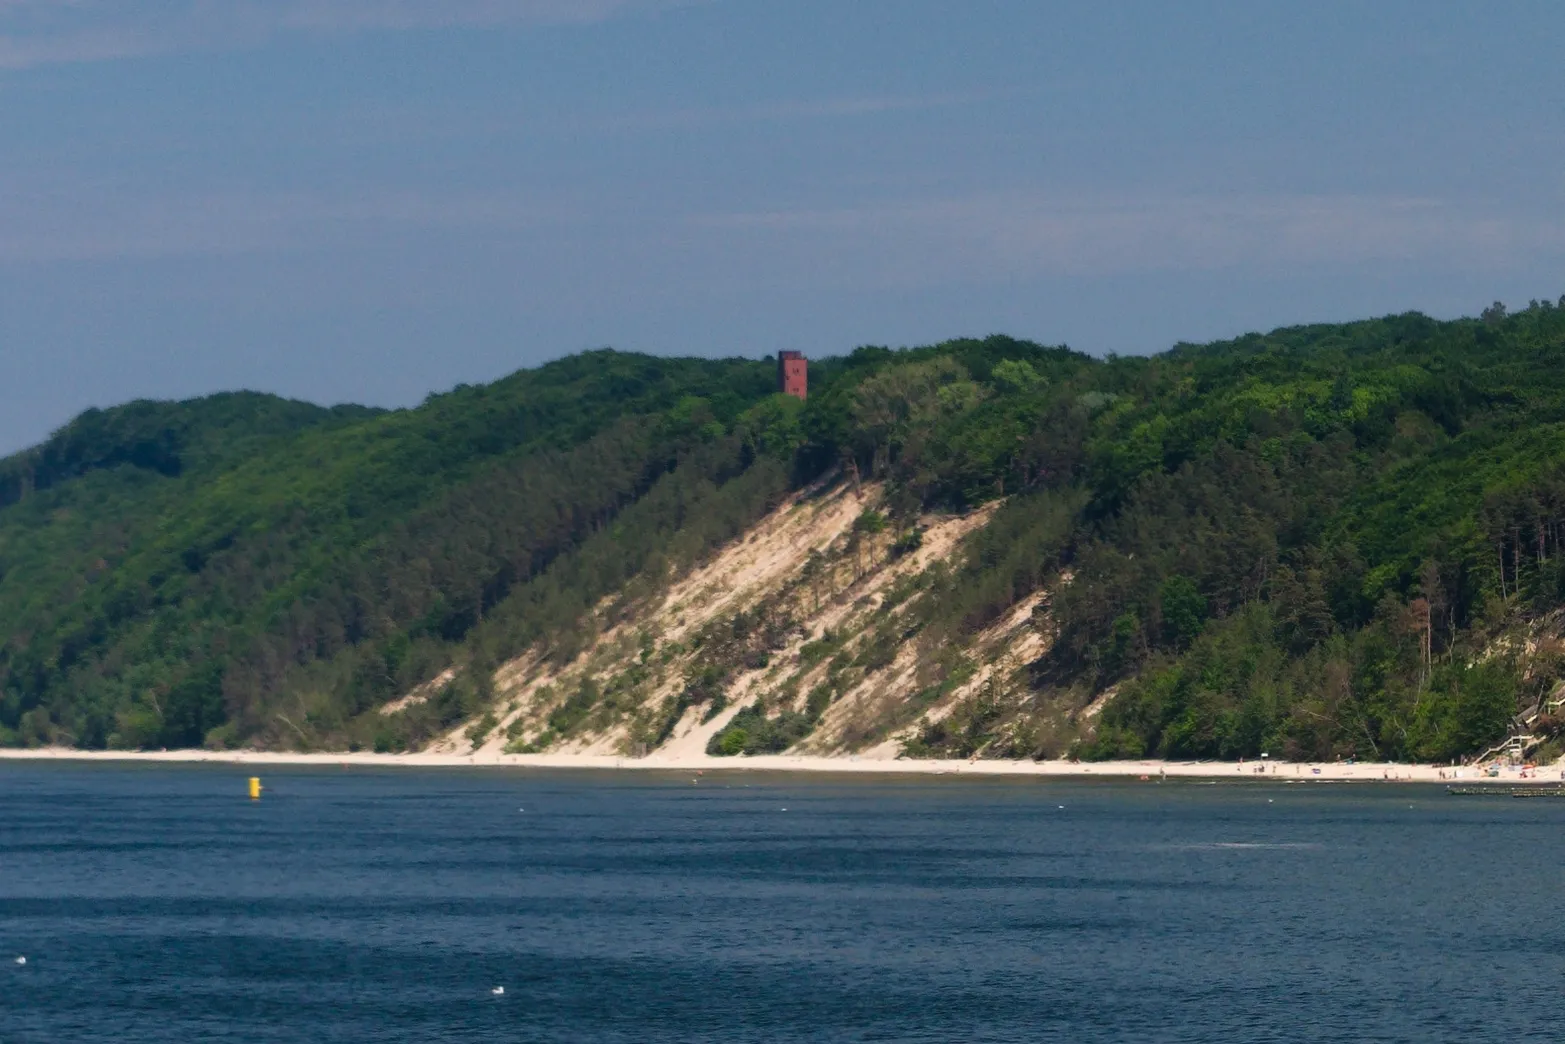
<point>824,588</point>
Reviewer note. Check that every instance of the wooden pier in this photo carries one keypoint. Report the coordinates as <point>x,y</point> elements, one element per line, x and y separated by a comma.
<point>1522,790</point>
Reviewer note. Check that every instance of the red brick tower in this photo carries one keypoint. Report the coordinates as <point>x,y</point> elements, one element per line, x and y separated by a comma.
<point>793,374</point>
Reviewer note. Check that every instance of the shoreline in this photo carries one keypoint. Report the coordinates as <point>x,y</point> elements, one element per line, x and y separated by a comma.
<point>1363,772</point>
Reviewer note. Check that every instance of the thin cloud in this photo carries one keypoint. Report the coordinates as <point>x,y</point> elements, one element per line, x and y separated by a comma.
<point>74,48</point>
<point>832,107</point>
<point>913,242</point>
<point>1044,234</point>
<point>88,224</point>
<point>36,33</point>
<point>341,15</point>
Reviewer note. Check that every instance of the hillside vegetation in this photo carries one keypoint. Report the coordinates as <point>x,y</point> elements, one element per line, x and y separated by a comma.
<point>1327,541</point>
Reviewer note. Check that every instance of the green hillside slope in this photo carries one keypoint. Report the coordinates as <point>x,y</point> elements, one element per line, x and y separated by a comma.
<point>171,570</point>
<point>1328,541</point>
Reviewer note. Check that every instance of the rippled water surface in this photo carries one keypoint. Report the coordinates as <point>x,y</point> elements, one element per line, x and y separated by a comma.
<point>157,904</point>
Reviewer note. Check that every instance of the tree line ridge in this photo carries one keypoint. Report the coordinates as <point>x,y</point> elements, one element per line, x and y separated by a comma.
<point>1336,540</point>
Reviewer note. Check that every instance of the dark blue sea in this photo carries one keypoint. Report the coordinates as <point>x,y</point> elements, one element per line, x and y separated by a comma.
<point>158,904</point>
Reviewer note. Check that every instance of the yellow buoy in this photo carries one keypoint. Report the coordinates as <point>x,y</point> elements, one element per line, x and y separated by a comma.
<point>255,788</point>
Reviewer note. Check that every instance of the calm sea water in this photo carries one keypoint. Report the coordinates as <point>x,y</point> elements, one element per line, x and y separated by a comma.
<point>157,904</point>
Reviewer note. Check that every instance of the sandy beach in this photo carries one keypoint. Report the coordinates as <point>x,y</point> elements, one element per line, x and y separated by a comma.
<point>1151,769</point>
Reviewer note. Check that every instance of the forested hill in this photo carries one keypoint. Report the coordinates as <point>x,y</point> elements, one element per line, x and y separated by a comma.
<point>1337,540</point>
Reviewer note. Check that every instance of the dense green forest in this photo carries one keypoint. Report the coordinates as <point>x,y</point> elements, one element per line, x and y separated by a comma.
<point>1326,541</point>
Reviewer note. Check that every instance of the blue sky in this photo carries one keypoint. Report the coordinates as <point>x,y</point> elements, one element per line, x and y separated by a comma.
<point>365,200</point>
